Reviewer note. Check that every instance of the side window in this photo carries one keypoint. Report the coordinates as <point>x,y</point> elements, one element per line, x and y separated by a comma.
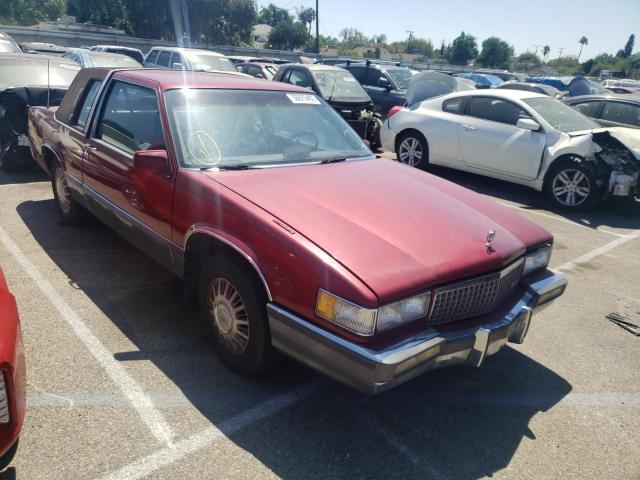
<point>81,115</point>
<point>130,119</point>
<point>300,78</point>
<point>372,77</point>
<point>153,57</point>
<point>163,58</point>
<point>453,105</point>
<point>358,72</point>
<point>254,71</point>
<point>495,110</point>
<point>590,109</point>
<point>619,112</point>
<point>176,58</point>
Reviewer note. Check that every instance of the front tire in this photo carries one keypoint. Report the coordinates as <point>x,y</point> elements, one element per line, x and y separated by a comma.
<point>232,305</point>
<point>571,185</point>
<point>412,150</point>
<point>6,459</point>
<point>71,211</point>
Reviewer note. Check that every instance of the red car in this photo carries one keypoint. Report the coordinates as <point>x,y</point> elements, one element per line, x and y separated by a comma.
<point>287,231</point>
<point>12,376</point>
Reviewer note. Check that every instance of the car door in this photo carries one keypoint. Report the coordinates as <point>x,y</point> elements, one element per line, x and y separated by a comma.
<point>620,114</point>
<point>135,203</point>
<point>491,141</point>
<point>379,95</point>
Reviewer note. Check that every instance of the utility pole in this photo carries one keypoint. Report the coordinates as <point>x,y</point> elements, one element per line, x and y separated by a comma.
<point>560,54</point>
<point>317,29</point>
<point>410,32</point>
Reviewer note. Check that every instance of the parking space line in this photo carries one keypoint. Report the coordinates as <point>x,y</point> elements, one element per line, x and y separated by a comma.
<point>150,415</point>
<point>596,252</point>
<point>173,453</point>
<point>560,219</point>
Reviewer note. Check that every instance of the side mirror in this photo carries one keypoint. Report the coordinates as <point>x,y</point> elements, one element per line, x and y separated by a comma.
<point>528,124</point>
<point>177,66</point>
<point>155,161</point>
<point>384,83</point>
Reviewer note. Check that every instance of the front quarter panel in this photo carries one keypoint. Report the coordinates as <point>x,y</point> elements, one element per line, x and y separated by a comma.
<point>292,266</point>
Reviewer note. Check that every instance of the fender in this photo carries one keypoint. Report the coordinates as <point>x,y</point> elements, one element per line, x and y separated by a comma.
<point>51,147</point>
<point>231,241</point>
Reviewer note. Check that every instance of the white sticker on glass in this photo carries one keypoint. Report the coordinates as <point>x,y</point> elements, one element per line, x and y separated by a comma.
<point>303,98</point>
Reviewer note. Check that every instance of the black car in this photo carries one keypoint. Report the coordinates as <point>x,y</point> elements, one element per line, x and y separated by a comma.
<point>386,84</point>
<point>343,92</point>
<point>609,110</point>
<point>532,87</point>
<point>27,80</point>
<point>267,71</point>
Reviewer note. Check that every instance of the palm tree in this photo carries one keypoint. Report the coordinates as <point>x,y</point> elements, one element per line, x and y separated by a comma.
<point>583,41</point>
<point>545,52</point>
<point>306,16</point>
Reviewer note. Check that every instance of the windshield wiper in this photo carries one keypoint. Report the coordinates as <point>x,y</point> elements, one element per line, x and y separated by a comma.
<point>237,166</point>
<point>333,160</point>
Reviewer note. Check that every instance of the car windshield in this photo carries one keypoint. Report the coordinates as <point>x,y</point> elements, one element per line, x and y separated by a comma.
<point>215,128</point>
<point>340,86</point>
<point>206,62</point>
<point>561,117</point>
<point>401,77</point>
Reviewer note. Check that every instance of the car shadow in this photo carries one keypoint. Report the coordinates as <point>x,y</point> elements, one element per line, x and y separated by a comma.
<point>25,174</point>
<point>458,423</point>
<point>615,213</point>
<point>8,474</point>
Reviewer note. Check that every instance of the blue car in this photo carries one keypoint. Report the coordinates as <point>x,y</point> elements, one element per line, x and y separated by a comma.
<point>575,86</point>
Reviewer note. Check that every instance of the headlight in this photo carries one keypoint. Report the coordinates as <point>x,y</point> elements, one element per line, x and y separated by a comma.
<point>346,314</point>
<point>404,311</point>
<point>362,320</point>
<point>538,259</point>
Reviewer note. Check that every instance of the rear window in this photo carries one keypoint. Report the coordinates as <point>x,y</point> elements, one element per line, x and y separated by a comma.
<point>137,56</point>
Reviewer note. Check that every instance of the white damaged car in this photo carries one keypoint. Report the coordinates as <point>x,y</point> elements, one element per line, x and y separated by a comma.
<point>517,136</point>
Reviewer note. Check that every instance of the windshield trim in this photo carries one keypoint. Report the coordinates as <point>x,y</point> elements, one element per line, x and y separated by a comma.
<point>266,166</point>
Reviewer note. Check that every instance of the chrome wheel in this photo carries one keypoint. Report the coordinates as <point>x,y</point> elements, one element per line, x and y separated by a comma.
<point>228,313</point>
<point>571,187</point>
<point>62,191</point>
<point>410,151</point>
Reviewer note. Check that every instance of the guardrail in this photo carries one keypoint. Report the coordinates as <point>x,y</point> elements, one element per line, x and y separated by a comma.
<point>75,38</point>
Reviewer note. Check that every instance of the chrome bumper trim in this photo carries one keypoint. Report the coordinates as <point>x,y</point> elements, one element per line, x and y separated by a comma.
<point>374,371</point>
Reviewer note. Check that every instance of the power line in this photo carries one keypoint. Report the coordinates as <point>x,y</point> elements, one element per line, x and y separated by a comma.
<point>410,32</point>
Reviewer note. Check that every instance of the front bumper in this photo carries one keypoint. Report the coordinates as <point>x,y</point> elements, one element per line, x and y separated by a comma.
<point>374,371</point>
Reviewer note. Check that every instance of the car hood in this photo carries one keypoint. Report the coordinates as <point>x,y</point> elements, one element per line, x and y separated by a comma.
<point>398,229</point>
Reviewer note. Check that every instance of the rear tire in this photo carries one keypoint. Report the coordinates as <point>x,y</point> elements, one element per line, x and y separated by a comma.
<point>70,211</point>
<point>412,149</point>
<point>232,306</point>
<point>570,185</point>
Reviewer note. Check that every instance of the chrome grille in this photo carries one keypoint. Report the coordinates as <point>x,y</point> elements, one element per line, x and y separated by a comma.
<point>474,297</point>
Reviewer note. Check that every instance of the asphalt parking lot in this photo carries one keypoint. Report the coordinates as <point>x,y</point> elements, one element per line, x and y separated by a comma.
<point>123,384</point>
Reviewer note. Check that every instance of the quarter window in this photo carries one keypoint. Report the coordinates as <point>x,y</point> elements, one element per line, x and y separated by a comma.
<point>153,57</point>
<point>130,120</point>
<point>590,109</point>
<point>453,105</point>
<point>619,112</point>
<point>84,108</point>
<point>495,110</point>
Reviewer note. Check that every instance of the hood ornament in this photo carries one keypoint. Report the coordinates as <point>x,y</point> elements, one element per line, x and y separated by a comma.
<point>490,236</point>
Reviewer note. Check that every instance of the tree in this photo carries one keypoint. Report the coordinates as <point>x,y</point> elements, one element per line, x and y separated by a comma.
<point>29,12</point>
<point>273,15</point>
<point>306,16</point>
<point>352,38</point>
<point>583,41</point>
<point>463,49</point>
<point>231,24</point>
<point>288,35</point>
<point>381,38</point>
<point>545,52</point>
<point>525,61</point>
<point>496,53</point>
<point>422,46</point>
<point>628,48</point>
<point>443,49</point>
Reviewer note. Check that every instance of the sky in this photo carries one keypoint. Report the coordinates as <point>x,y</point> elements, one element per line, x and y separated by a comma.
<point>523,24</point>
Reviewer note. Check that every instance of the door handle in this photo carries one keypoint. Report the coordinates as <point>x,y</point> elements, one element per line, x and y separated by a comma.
<point>468,127</point>
<point>88,146</point>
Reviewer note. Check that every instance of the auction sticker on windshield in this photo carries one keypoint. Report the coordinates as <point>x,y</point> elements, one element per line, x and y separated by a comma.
<point>303,98</point>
